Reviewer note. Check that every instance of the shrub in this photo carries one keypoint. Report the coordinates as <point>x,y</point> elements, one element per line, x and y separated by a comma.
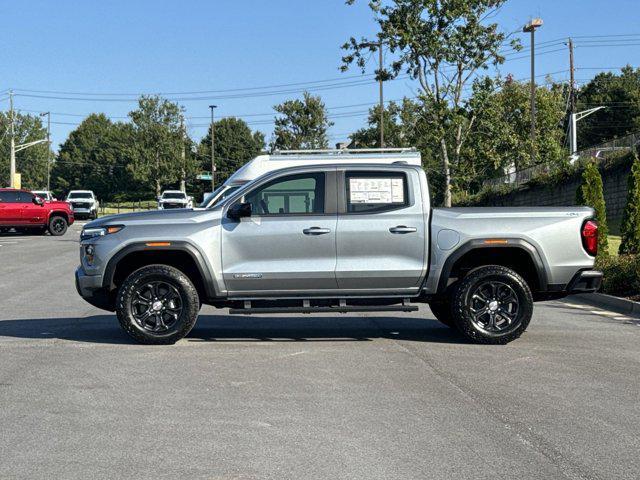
<point>630,229</point>
<point>621,275</point>
<point>590,194</point>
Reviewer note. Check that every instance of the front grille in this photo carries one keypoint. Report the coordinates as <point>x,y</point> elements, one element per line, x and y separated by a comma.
<point>173,205</point>
<point>80,205</point>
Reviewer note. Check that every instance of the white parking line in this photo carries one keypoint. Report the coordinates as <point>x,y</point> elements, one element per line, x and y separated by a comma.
<point>597,311</point>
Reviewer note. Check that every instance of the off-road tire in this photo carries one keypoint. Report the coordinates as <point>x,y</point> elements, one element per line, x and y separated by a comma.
<point>57,226</point>
<point>158,273</point>
<point>467,287</point>
<point>441,309</point>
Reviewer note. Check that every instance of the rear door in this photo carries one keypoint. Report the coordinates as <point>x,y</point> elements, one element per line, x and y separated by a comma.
<point>288,245</point>
<point>10,207</point>
<point>382,233</point>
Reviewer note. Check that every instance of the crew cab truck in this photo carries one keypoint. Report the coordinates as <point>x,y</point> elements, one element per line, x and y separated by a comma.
<point>337,238</point>
<point>174,199</point>
<point>26,212</point>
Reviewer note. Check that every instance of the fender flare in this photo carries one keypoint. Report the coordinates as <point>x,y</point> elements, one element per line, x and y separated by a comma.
<point>181,246</point>
<point>478,244</point>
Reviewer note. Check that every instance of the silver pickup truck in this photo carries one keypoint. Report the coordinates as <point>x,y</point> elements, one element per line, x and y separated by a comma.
<point>336,238</point>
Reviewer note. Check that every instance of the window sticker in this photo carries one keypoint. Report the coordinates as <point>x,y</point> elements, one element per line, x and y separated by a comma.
<point>376,190</point>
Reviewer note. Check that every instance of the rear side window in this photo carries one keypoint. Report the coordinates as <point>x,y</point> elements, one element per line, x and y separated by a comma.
<point>370,192</point>
<point>300,194</point>
<point>10,197</point>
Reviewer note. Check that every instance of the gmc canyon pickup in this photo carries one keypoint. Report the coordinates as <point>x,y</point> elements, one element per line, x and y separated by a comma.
<point>336,238</point>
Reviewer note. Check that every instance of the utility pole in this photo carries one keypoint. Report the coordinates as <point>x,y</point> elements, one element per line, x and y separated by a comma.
<point>48,114</point>
<point>381,96</point>
<point>183,181</point>
<point>531,28</point>
<point>572,86</point>
<point>213,144</point>
<point>12,161</point>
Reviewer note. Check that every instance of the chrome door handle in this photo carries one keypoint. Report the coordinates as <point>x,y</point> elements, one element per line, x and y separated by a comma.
<point>403,229</point>
<point>316,231</point>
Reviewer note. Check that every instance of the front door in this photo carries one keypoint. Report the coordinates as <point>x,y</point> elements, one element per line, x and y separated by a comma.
<point>31,213</point>
<point>288,245</point>
<point>381,239</point>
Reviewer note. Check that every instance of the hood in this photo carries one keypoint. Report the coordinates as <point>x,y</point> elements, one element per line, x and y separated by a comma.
<point>57,203</point>
<point>157,217</point>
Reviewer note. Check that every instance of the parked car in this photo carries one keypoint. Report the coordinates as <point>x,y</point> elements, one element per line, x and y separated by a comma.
<point>25,211</point>
<point>337,238</point>
<point>174,199</point>
<point>292,158</point>
<point>84,203</point>
<point>44,194</point>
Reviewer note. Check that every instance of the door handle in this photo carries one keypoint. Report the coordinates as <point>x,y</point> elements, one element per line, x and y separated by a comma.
<point>316,231</point>
<point>403,229</point>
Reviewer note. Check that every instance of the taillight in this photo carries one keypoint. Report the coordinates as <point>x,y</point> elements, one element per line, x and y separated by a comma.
<point>590,237</point>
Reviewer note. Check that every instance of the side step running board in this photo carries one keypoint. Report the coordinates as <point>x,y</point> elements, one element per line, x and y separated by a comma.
<point>333,309</point>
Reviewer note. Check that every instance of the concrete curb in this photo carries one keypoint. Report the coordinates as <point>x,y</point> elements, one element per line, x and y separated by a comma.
<point>609,302</point>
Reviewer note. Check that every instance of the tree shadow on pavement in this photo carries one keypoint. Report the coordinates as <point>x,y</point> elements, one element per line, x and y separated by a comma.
<point>226,328</point>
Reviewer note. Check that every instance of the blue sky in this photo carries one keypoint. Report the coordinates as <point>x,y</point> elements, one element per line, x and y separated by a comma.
<point>128,47</point>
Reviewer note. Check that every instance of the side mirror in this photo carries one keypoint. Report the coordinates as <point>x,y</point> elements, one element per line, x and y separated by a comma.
<point>239,210</point>
<point>37,200</point>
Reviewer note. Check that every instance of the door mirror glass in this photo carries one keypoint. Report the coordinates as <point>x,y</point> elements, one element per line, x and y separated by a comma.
<point>239,210</point>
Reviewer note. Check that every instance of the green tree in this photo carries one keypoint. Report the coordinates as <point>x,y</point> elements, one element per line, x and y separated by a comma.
<point>158,142</point>
<point>442,45</point>
<point>591,194</point>
<point>620,93</point>
<point>30,162</point>
<point>235,145</point>
<point>94,157</point>
<point>499,134</point>
<point>630,229</point>
<point>302,124</point>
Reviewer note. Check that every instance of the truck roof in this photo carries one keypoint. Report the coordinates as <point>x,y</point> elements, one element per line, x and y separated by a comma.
<point>295,158</point>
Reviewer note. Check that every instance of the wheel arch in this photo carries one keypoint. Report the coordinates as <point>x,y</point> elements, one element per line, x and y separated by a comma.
<point>518,254</point>
<point>58,213</point>
<point>181,255</point>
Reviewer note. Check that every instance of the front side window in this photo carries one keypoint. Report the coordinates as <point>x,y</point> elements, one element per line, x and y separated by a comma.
<point>300,194</point>
<point>372,192</point>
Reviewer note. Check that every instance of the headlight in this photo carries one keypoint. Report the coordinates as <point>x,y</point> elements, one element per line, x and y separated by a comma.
<point>99,231</point>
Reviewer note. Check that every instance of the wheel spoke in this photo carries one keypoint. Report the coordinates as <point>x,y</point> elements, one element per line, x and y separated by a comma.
<point>156,306</point>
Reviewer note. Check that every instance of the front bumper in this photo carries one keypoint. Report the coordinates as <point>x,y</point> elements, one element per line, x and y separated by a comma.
<point>90,288</point>
<point>585,281</point>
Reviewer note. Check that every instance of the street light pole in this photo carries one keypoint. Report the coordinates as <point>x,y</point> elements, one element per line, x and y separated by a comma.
<point>48,114</point>
<point>213,144</point>
<point>531,28</point>
<point>12,161</point>
<point>381,96</point>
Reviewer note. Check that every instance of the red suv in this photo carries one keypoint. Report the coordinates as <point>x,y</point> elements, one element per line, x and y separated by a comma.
<point>22,210</point>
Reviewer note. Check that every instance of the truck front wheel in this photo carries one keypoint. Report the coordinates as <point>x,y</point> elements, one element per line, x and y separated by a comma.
<point>57,226</point>
<point>157,304</point>
<point>492,304</point>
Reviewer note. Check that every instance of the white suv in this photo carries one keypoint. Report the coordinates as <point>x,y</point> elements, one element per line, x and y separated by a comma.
<point>83,203</point>
<point>174,199</point>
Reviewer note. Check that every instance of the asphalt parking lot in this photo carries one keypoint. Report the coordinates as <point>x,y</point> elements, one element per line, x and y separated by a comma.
<point>375,396</point>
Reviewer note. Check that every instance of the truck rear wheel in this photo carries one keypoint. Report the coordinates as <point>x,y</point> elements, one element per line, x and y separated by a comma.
<point>493,305</point>
<point>57,226</point>
<point>157,305</point>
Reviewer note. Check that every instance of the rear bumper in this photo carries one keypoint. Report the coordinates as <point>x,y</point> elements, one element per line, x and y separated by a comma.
<point>585,281</point>
<point>90,288</point>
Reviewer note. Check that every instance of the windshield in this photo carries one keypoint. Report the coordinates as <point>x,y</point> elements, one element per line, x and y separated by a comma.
<point>174,195</point>
<point>223,191</point>
<point>80,195</point>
